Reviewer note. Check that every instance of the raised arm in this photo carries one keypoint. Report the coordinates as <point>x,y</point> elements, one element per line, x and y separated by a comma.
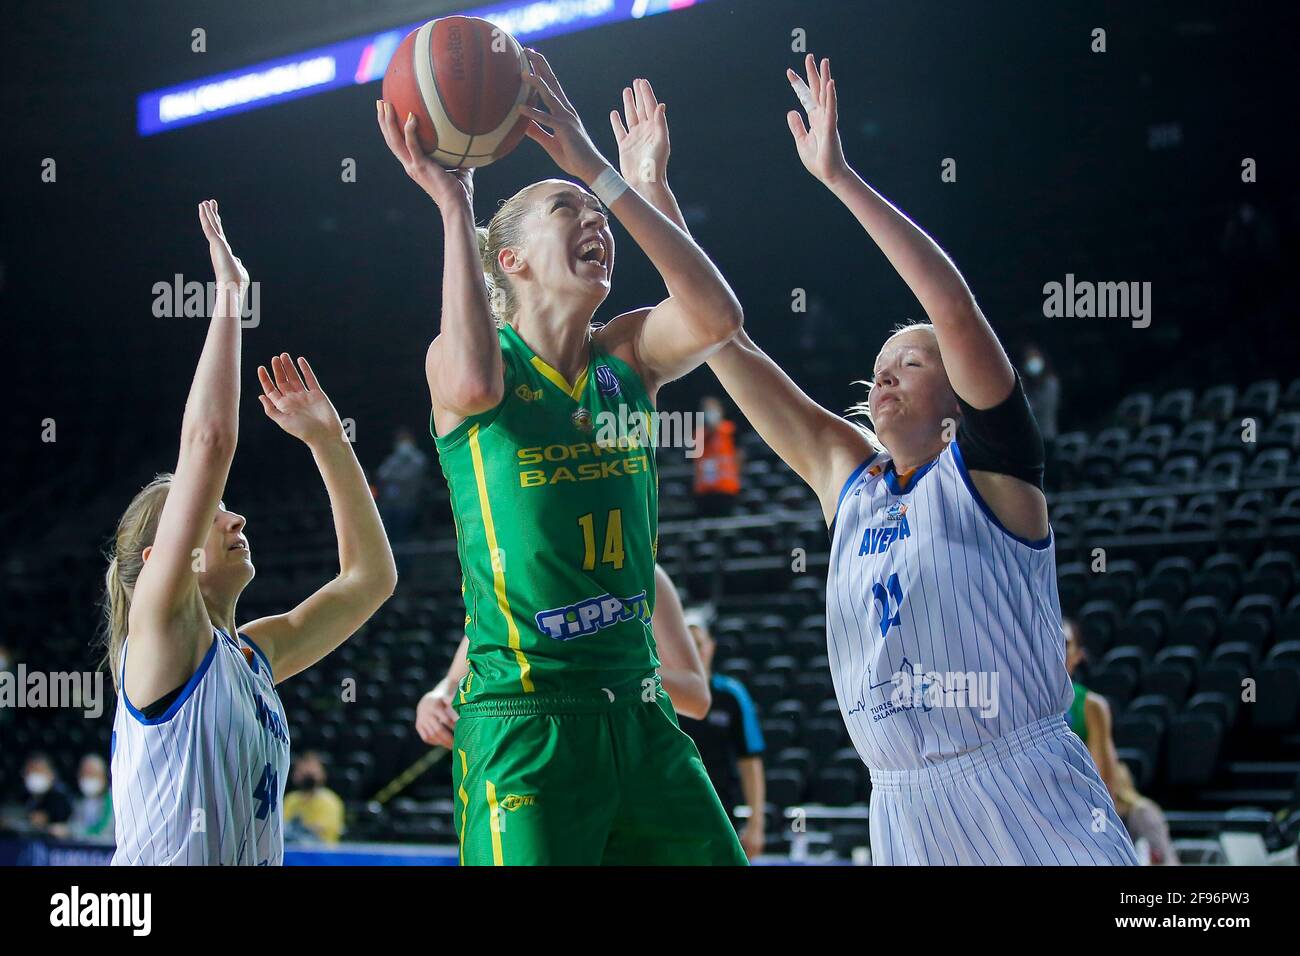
<point>818,445</point>
<point>977,366</point>
<point>680,668</point>
<point>367,575</point>
<point>701,312</point>
<point>169,626</point>
<point>463,365</point>
<point>644,147</point>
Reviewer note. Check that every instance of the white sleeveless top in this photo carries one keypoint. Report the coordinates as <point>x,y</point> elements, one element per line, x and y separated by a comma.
<point>943,628</point>
<point>203,783</point>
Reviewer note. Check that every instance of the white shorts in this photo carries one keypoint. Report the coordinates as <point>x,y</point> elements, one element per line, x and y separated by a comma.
<point>1033,797</point>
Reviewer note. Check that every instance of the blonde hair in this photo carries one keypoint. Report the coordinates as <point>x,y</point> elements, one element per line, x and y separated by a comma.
<point>506,228</point>
<point>135,532</point>
<point>862,410</point>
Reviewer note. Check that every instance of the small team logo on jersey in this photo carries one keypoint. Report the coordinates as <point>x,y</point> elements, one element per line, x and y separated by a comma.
<point>529,394</point>
<point>895,512</point>
<point>582,419</point>
<point>514,801</point>
<point>607,382</point>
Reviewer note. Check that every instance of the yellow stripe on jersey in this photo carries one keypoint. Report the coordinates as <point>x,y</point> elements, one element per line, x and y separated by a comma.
<point>495,820</point>
<point>464,803</point>
<point>498,572</point>
<point>574,391</point>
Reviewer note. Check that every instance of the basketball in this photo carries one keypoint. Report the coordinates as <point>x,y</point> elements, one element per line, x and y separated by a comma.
<point>461,77</point>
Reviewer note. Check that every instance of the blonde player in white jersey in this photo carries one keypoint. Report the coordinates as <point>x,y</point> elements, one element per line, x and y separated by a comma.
<point>943,621</point>
<point>200,741</point>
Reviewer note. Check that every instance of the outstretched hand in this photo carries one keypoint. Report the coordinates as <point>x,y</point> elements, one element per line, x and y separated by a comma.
<point>642,135</point>
<point>297,404</point>
<point>818,144</point>
<point>567,142</point>
<point>226,266</point>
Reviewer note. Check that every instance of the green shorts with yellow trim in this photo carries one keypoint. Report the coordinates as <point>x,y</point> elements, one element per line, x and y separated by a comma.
<point>583,780</point>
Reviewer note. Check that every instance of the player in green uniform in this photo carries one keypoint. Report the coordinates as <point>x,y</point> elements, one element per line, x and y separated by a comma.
<point>566,750</point>
<point>1089,713</point>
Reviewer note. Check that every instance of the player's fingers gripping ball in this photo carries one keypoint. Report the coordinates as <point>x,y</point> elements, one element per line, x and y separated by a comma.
<point>462,77</point>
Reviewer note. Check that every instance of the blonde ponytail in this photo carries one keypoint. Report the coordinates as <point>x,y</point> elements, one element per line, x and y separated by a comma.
<point>135,532</point>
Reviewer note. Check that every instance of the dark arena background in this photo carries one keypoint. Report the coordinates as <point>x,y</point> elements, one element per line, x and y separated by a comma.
<point>1147,145</point>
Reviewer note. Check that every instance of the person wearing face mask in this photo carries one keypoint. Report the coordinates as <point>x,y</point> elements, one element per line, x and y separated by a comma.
<point>48,806</point>
<point>92,812</point>
<point>717,470</point>
<point>1043,389</point>
<point>312,811</point>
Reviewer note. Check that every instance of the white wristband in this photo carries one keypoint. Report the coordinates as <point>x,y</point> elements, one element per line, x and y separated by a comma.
<point>609,185</point>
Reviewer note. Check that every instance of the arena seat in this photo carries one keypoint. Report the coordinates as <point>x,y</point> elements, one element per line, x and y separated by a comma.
<point>1169,580</point>
<point>1171,680</point>
<point>837,787</point>
<point>1277,704</point>
<point>1192,750</point>
<point>1159,707</point>
<point>1274,574</point>
<point>1259,399</point>
<point>1217,403</point>
<point>1173,408</point>
<point>1140,732</point>
<point>785,788</point>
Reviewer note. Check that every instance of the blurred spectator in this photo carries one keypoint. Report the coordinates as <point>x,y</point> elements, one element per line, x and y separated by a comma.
<point>312,811</point>
<point>1043,389</point>
<point>1251,253</point>
<point>730,742</point>
<point>1144,820</point>
<point>401,484</point>
<point>92,812</point>
<point>49,806</point>
<point>1249,236</point>
<point>717,470</point>
<point>1089,715</point>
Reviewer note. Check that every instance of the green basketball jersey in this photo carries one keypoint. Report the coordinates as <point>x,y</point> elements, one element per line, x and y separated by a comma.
<point>555,497</point>
<point>1076,712</point>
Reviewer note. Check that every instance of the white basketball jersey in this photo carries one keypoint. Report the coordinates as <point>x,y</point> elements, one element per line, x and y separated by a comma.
<point>203,783</point>
<point>943,628</point>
